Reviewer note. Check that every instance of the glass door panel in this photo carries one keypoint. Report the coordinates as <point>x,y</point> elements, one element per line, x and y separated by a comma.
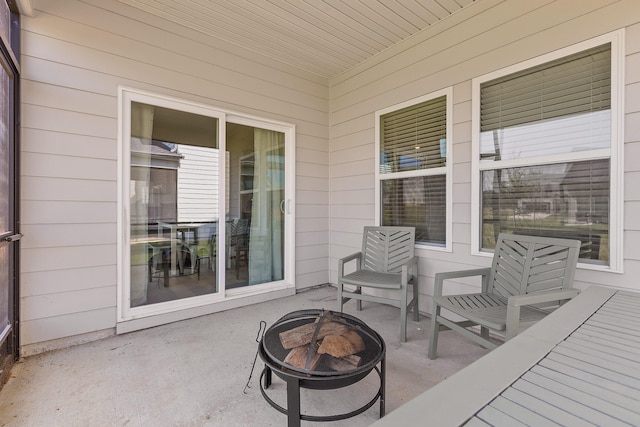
<point>174,204</point>
<point>255,224</point>
<point>6,206</point>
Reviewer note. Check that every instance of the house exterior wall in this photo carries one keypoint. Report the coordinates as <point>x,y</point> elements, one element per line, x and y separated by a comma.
<point>75,55</point>
<point>486,36</point>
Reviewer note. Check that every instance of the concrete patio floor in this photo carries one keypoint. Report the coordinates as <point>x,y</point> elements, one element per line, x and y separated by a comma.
<point>193,373</point>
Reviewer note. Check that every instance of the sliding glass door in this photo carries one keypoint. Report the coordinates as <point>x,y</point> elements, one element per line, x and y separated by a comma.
<point>174,207</point>
<point>9,225</point>
<point>206,202</point>
<point>257,205</point>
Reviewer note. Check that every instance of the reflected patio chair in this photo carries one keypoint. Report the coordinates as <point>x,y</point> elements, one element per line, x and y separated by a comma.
<point>194,251</point>
<point>187,240</point>
<point>159,263</point>
<point>213,251</point>
<point>208,253</point>
<point>240,243</point>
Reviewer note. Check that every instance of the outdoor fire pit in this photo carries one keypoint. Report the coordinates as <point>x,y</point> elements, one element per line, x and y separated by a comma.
<point>320,350</point>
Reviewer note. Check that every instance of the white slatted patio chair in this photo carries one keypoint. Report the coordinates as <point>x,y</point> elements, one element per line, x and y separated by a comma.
<point>529,277</point>
<point>386,262</point>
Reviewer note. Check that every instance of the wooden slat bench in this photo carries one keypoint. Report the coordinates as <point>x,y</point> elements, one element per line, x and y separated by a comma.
<point>578,366</point>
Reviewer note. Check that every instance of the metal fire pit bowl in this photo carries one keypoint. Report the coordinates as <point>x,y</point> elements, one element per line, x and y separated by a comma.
<point>322,377</point>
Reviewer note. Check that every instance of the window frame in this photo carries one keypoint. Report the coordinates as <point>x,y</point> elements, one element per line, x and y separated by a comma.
<point>614,153</point>
<point>446,170</point>
<point>139,317</point>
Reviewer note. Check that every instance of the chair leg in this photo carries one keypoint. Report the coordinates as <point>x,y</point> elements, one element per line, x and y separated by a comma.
<point>358,301</point>
<point>416,311</point>
<point>484,332</point>
<point>403,314</point>
<point>433,335</point>
<point>340,303</point>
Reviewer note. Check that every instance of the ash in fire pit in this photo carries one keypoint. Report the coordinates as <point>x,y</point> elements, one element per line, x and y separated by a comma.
<point>320,350</point>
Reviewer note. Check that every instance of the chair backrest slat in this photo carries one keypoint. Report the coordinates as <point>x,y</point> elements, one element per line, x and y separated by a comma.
<point>386,248</point>
<point>527,264</point>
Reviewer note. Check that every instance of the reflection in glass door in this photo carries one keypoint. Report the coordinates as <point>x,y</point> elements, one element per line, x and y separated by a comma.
<point>204,208</point>
<point>9,233</point>
<point>174,204</point>
<point>256,206</point>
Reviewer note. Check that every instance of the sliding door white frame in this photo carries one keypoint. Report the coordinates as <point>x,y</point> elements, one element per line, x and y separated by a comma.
<point>133,318</point>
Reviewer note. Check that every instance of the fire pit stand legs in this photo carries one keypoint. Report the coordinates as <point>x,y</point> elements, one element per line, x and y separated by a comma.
<point>293,398</point>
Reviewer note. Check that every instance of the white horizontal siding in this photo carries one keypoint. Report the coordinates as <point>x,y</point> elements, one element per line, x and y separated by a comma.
<point>465,46</point>
<point>46,329</point>
<point>631,156</point>
<point>75,55</point>
<point>312,209</point>
<point>59,143</point>
<point>308,197</point>
<point>65,235</point>
<point>61,189</point>
<point>312,224</point>
<point>72,212</point>
<point>66,257</point>
<point>55,166</point>
<point>60,304</point>
<point>198,184</point>
<point>66,280</point>
<point>632,148</point>
<point>66,98</point>
<point>306,280</point>
<point>116,48</point>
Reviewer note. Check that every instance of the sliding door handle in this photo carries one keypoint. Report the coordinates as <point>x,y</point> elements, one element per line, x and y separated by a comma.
<point>13,238</point>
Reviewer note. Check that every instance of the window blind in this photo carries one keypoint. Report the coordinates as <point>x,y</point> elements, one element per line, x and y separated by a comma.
<point>576,84</point>
<point>419,202</point>
<point>569,200</point>
<point>414,138</point>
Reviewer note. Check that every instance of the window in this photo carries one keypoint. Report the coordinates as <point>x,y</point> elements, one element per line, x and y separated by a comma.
<point>414,162</point>
<point>546,146</point>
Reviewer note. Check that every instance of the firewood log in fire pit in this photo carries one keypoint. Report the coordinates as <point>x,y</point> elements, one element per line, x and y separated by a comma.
<point>342,345</point>
<point>297,357</point>
<point>302,335</point>
<point>345,363</point>
<point>338,342</point>
<point>338,350</point>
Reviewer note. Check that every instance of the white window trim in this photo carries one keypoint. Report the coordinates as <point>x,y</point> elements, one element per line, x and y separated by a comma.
<point>448,169</point>
<point>616,38</point>
<point>134,318</point>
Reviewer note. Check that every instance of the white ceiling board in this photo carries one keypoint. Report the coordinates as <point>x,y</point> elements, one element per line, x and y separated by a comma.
<point>325,37</point>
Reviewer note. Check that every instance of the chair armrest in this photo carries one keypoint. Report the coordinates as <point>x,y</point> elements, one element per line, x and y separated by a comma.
<point>441,277</point>
<point>520,300</point>
<point>516,301</point>
<point>408,268</point>
<point>342,261</point>
<point>411,263</point>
